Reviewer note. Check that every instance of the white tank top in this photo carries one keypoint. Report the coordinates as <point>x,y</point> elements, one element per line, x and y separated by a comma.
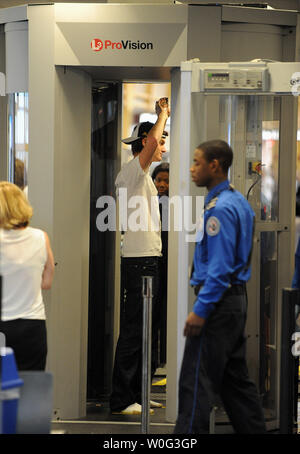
<point>23,256</point>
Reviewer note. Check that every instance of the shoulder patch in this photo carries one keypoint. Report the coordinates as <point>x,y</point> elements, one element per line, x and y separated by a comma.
<point>211,204</point>
<point>213,226</point>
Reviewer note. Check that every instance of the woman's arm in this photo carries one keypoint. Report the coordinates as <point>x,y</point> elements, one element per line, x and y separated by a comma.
<point>48,272</point>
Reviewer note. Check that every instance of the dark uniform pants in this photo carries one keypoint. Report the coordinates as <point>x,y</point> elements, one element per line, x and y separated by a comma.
<point>214,363</point>
<point>127,373</point>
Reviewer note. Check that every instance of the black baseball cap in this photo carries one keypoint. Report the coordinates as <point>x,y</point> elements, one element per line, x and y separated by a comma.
<point>140,131</point>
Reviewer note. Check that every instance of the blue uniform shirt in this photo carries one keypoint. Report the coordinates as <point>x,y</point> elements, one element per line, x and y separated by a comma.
<point>223,247</point>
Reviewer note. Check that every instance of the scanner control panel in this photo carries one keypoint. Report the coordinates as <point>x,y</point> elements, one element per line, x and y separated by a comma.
<point>235,79</point>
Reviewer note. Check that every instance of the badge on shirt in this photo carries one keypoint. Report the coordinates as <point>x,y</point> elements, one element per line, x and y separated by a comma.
<point>213,226</point>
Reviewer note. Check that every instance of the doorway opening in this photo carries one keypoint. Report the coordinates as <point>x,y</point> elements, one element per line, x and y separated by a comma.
<point>116,109</point>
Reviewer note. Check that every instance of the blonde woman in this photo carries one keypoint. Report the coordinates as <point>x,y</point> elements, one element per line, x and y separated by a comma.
<point>27,267</point>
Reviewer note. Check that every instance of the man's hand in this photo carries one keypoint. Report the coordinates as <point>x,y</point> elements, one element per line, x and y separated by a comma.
<point>193,325</point>
<point>162,106</point>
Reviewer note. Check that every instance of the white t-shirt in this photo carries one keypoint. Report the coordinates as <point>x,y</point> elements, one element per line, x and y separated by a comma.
<point>23,255</point>
<point>139,211</point>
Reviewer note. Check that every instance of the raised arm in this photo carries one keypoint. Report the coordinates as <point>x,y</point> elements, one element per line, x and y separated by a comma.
<point>154,136</point>
<point>48,272</point>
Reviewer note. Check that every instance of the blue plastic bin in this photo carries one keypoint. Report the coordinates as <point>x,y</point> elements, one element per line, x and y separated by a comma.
<point>9,392</point>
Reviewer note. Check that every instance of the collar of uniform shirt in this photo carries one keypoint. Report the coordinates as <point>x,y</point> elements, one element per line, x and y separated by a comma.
<point>216,190</point>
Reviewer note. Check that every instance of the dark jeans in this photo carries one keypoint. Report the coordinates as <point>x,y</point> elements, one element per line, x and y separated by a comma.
<point>28,339</point>
<point>214,363</point>
<point>127,373</point>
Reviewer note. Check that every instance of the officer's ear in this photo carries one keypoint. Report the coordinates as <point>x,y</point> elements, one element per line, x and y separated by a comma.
<point>214,165</point>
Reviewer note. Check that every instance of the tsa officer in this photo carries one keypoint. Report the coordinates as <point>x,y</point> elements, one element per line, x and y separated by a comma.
<point>214,361</point>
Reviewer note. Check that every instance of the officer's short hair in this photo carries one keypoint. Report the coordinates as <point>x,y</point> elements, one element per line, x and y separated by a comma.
<point>220,150</point>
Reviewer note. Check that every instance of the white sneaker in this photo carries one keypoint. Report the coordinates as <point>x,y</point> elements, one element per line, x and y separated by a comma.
<point>133,409</point>
<point>155,404</point>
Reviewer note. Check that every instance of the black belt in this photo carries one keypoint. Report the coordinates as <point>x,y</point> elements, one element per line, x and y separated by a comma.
<point>235,289</point>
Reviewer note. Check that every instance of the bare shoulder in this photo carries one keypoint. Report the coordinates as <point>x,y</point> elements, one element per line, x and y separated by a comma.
<point>47,240</point>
